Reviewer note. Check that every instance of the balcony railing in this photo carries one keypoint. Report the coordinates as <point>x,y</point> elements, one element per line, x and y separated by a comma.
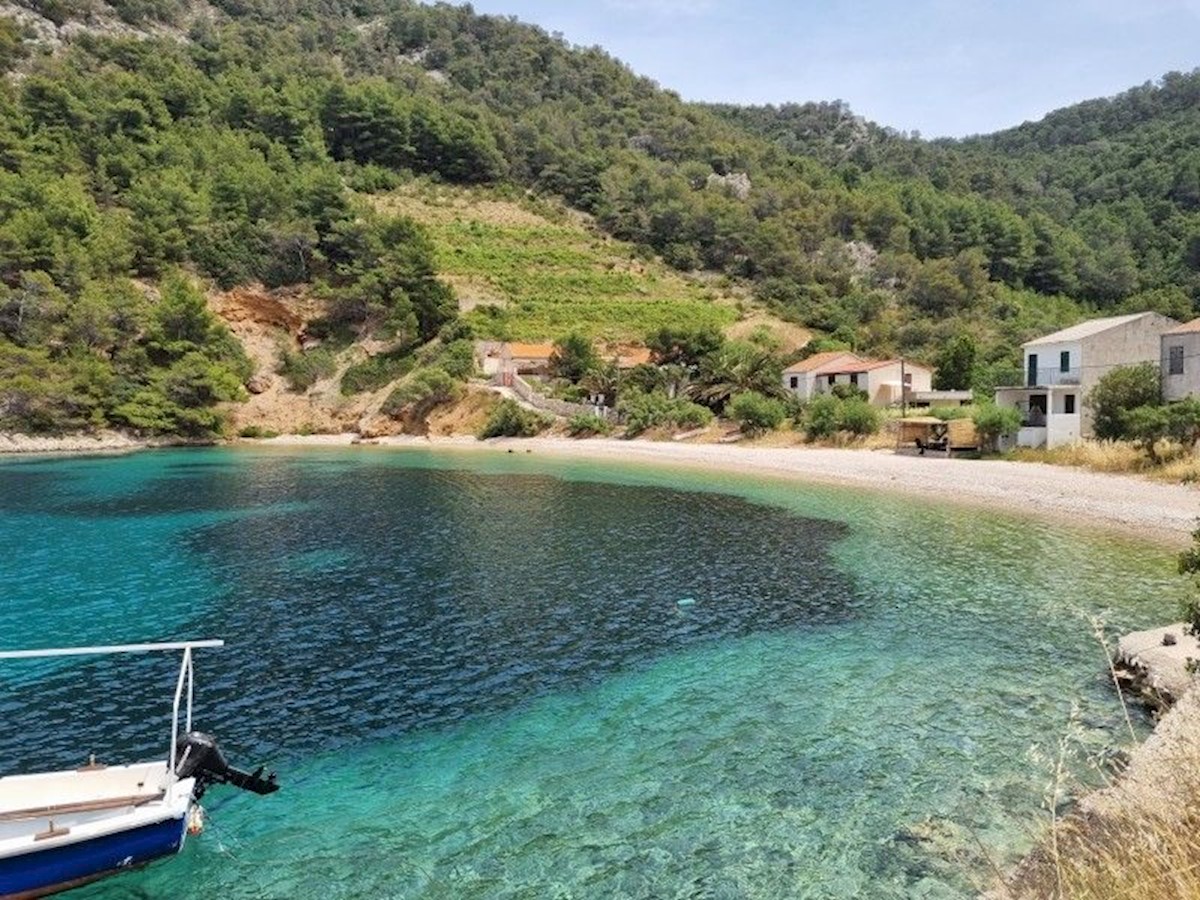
<point>1052,375</point>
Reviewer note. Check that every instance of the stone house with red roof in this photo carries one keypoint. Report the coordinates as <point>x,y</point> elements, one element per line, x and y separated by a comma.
<point>884,381</point>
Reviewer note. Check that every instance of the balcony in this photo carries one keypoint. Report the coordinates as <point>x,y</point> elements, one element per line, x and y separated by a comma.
<point>1052,375</point>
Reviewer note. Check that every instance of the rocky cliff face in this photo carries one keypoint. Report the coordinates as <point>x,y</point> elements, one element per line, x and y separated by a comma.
<point>94,17</point>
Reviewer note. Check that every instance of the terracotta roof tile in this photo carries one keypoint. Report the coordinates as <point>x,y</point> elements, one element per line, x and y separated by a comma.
<point>530,351</point>
<point>818,361</point>
<point>1191,327</point>
<point>867,365</point>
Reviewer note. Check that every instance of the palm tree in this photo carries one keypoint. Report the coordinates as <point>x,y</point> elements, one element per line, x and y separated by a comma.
<point>734,369</point>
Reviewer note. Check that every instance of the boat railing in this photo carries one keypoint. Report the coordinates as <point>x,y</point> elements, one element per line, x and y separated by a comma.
<point>186,679</point>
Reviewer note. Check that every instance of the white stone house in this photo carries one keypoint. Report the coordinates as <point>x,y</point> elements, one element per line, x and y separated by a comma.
<point>1180,360</point>
<point>801,378</point>
<point>882,380</point>
<point>1062,368</point>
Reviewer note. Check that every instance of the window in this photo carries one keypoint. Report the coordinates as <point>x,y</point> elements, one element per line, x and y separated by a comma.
<point>1069,404</point>
<point>1031,369</point>
<point>795,382</point>
<point>1064,361</point>
<point>831,380</point>
<point>908,379</point>
<point>854,378</point>
<point>1175,360</point>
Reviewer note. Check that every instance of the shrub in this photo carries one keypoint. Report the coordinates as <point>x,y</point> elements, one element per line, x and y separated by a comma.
<point>685,414</point>
<point>257,431</point>
<point>458,358</point>
<point>302,369</point>
<point>1189,566</point>
<point>373,373</point>
<point>822,416</point>
<point>993,422</point>
<point>848,392</point>
<point>859,417</point>
<point>588,424</point>
<point>827,415</point>
<point>510,419</point>
<point>426,389</point>
<point>756,413</point>
<point>1149,425</point>
<point>656,410</point>
<point>1118,392</point>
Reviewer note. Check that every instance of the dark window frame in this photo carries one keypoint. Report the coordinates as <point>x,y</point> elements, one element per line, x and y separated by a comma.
<point>1064,361</point>
<point>1175,360</point>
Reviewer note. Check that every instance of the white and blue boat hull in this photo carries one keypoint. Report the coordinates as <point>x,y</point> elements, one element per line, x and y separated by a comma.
<point>43,872</point>
<point>59,830</point>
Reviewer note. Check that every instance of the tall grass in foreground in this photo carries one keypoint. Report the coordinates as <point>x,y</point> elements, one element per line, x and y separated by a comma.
<point>1139,854</point>
<point>1144,845</point>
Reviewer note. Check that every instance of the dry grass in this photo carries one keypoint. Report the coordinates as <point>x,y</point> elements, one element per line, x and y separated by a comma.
<point>1142,855</point>
<point>1140,838</point>
<point>1178,465</point>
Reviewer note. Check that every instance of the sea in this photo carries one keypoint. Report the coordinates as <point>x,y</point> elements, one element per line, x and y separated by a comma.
<point>491,675</point>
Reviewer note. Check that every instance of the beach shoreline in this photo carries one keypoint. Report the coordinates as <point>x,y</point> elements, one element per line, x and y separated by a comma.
<point>1163,513</point>
<point>1149,510</point>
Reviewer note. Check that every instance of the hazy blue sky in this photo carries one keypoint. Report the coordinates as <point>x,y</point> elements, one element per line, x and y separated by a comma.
<point>943,67</point>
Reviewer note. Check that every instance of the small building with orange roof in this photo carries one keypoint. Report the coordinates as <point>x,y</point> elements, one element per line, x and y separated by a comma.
<point>513,356</point>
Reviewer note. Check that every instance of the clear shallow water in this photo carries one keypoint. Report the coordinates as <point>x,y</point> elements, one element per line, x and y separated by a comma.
<point>476,681</point>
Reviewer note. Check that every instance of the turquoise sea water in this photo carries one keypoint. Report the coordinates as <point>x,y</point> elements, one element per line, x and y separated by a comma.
<point>475,679</point>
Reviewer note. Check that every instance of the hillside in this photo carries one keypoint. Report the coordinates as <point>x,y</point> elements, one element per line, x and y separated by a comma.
<point>531,270</point>
<point>225,144</point>
<point>1114,182</point>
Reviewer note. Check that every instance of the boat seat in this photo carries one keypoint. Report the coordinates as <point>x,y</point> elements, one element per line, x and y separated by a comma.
<point>60,809</point>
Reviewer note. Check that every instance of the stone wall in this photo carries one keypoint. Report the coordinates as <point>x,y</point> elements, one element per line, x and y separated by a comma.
<point>530,395</point>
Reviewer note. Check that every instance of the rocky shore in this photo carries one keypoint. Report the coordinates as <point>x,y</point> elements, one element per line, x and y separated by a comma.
<point>100,442</point>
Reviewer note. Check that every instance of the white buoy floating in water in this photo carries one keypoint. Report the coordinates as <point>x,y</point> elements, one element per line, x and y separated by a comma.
<point>686,601</point>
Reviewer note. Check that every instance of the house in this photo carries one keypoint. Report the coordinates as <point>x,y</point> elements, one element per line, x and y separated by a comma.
<point>1063,367</point>
<point>1180,360</point>
<point>495,357</point>
<point>882,380</point>
<point>801,378</point>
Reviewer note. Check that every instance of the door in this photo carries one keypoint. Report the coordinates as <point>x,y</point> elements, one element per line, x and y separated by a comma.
<point>1031,376</point>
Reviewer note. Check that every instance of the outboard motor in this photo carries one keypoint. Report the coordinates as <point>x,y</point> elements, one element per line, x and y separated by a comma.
<point>199,757</point>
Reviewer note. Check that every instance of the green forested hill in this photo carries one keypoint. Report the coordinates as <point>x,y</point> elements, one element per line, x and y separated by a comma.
<point>237,141</point>
<point>1111,187</point>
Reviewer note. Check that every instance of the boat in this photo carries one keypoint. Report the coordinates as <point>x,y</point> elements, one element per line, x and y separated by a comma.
<point>62,830</point>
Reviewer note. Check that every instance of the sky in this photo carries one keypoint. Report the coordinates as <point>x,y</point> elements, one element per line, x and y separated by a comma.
<point>944,68</point>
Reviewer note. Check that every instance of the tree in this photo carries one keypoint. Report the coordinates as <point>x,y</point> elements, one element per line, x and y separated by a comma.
<point>993,422</point>
<point>1150,425</point>
<point>1123,389</point>
<point>954,366</point>
<point>736,368</point>
<point>573,357</point>
<point>683,346</point>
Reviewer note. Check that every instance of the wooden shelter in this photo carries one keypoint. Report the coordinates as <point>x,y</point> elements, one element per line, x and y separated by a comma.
<point>927,434</point>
